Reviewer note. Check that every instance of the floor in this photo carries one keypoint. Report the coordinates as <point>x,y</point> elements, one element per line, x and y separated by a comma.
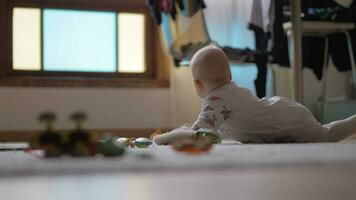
<point>270,171</point>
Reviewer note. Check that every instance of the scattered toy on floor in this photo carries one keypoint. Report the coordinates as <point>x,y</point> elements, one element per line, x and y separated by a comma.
<point>49,140</point>
<point>210,134</point>
<point>142,142</point>
<point>77,143</point>
<point>132,142</point>
<point>109,148</point>
<point>192,144</point>
<point>127,142</point>
<point>80,143</point>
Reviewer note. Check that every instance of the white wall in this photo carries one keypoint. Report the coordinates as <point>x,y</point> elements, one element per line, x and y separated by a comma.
<point>107,108</point>
<point>185,102</point>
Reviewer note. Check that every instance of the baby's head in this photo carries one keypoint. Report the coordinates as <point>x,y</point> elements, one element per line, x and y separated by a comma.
<point>210,69</point>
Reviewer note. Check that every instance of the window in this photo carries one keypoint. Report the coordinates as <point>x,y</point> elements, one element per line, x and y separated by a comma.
<point>59,42</point>
<point>79,41</point>
<point>26,39</point>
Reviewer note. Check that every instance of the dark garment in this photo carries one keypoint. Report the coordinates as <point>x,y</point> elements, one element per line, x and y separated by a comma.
<point>155,10</point>
<point>338,50</point>
<point>181,4</point>
<point>261,59</point>
<point>173,12</point>
<point>261,78</point>
<point>313,54</point>
<point>279,39</point>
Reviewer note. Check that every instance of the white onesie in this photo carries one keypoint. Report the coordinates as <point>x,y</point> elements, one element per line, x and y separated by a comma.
<point>235,113</point>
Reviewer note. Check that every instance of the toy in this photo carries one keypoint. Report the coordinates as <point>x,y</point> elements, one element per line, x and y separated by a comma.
<point>132,142</point>
<point>192,145</point>
<point>142,142</point>
<point>79,142</point>
<point>123,141</point>
<point>214,137</point>
<point>49,140</point>
<point>109,148</point>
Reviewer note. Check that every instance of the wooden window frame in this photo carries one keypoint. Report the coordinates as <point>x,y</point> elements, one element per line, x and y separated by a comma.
<point>22,78</point>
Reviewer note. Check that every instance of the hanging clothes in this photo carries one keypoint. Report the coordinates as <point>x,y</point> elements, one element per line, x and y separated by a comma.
<point>261,59</point>
<point>261,15</point>
<point>166,5</point>
<point>181,43</point>
<point>261,26</point>
<point>339,50</point>
<point>155,10</point>
<point>313,47</point>
<point>185,44</point>
<point>157,7</point>
<point>267,17</point>
<point>180,4</point>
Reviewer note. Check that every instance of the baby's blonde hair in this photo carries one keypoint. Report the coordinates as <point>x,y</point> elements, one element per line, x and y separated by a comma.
<point>211,66</point>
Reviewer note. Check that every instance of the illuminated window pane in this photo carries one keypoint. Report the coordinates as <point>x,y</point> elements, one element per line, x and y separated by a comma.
<point>131,30</point>
<point>26,37</point>
<point>79,40</point>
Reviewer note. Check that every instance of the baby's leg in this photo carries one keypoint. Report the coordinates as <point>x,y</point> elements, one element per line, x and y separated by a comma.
<point>341,129</point>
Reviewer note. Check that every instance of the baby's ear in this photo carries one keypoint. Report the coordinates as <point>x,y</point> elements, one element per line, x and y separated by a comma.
<point>199,84</point>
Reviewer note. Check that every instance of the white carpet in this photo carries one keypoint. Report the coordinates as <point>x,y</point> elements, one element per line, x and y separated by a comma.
<point>164,159</point>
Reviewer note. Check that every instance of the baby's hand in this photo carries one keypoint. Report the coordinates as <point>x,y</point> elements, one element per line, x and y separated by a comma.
<point>168,137</point>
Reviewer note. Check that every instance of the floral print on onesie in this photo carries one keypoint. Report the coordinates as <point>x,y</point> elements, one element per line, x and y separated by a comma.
<point>213,113</point>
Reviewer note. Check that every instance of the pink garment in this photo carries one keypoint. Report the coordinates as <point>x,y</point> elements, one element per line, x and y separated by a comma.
<point>166,5</point>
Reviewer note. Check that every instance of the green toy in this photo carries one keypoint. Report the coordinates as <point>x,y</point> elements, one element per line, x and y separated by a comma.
<point>142,142</point>
<point>213,136</point>
<point>109,148</point>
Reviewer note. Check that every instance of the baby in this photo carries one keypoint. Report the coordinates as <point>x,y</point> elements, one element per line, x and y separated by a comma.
<point>234,112</point>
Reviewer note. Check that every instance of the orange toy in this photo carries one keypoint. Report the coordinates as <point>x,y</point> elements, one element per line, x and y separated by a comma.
<point>192,145</point>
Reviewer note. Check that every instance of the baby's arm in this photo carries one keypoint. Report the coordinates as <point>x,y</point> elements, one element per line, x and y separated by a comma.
<point>170,136</point>
<point>213,113</point>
